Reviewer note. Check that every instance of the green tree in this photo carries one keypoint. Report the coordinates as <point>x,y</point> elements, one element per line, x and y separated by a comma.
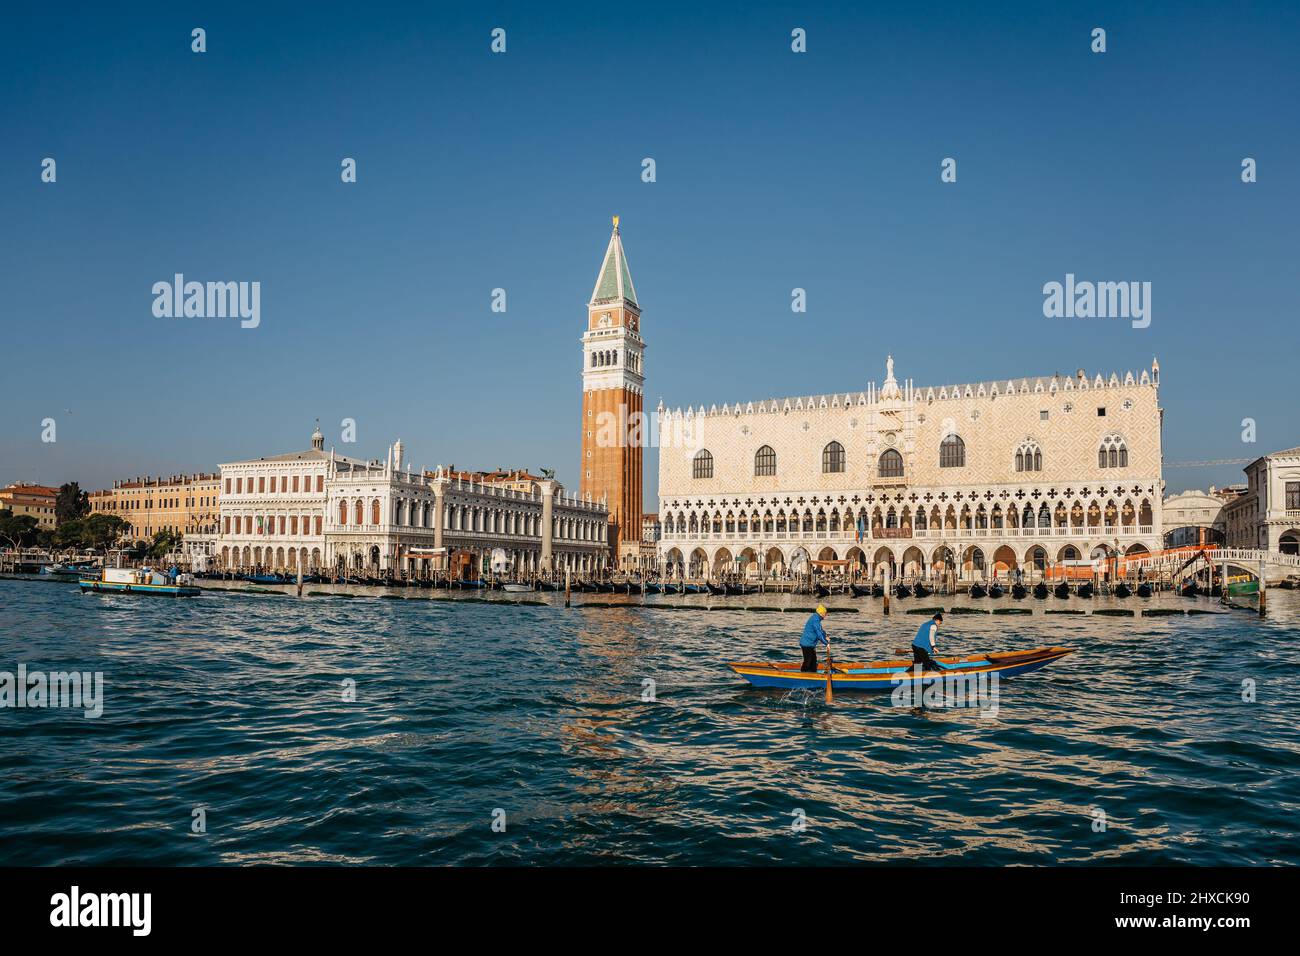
<point>71,503</point>
<point>164,543</point>
<point>17,531</point>
<point>100,532</point>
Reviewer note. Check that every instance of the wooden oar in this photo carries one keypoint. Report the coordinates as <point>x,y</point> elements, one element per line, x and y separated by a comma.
<point>830,694</point>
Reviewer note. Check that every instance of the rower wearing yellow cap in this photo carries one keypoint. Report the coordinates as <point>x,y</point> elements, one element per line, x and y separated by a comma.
<point>813,634</point>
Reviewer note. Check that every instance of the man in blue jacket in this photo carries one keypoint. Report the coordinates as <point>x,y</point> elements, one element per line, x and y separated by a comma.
<point>813,634</point>
<point>923,645</point>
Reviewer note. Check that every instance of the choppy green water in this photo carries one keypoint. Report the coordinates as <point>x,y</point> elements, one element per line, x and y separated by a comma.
<point>233,704</point>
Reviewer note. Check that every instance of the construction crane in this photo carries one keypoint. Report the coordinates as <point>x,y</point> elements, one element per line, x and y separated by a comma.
<point>1211,463</point>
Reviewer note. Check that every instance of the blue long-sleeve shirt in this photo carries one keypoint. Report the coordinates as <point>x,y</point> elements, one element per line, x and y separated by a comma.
<point>813,632</point>
<point>925,637</point>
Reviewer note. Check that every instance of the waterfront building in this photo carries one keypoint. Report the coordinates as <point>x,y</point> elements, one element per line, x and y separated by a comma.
<point>1267,514</point>
<point>318,510</point>
<point>980,478</point>
<point>613,416</point>
<point>182,504</point>
<point>1195,518</point>
<point>28,498</point>
<point>651,530</point>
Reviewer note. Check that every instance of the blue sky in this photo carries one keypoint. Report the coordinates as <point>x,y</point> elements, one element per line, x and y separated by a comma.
<point>774,171</point>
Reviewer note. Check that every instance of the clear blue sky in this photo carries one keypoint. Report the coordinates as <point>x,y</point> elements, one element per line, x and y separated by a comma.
<point>775,170</point>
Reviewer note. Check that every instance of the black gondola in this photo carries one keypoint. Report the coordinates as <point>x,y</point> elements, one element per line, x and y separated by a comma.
<point>820,591</point>
<point>715,589</point>
<point>995,591</point>
<point>1018,592</point>
<point>1189,589</point>
<point>1122,590</point>
<point>902,590</point>
<point>1085,589</point>
<point>877,590</point>
<point>978,590</point>
<point>1144,589</point>
<point>651,588</point>
<point>1041,590</point>
<point>671,589</point>
<point>860,591</point>
<point>920,590</point>
<point>1062,590</point>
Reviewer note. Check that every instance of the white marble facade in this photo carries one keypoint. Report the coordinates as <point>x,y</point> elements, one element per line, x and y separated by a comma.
<point>980,477</point>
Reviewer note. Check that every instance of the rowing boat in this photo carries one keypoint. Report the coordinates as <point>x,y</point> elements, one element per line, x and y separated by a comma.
<point>890,674</point>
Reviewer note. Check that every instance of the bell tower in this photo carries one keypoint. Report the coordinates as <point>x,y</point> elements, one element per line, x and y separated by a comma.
<point>613,399</point>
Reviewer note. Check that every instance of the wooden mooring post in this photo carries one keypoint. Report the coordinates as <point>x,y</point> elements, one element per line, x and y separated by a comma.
<point>1263,588</point>
<point>568,587</point>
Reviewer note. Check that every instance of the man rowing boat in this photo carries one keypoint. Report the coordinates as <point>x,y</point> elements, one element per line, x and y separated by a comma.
<point>923,645</point>
<point>813,634</point>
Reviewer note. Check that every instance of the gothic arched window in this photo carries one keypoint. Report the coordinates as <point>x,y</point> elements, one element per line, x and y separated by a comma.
<point>1113,453</point>
<point>952,452</point>
<point>1029,457</point>
<point>833,458</point>
<point>891,464</point>
<point>765,461</point>
<point>702,464</point>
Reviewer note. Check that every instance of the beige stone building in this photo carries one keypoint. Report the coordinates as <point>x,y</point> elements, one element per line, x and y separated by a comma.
<point>983,477</point>
<point>1267,514</point>
<point>182,504</point>
<point>26,498</point>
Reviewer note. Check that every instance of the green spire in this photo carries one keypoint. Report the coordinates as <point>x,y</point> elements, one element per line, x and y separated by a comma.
<point>615,281</point>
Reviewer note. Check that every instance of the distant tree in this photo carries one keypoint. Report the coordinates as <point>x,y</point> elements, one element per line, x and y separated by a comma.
<point>100,532</point>
<point>164,543</point>
<point>71,503</point>
<point>17,531</point>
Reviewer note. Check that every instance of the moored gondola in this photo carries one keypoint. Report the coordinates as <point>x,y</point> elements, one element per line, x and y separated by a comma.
<point>1144,590</point>
<point>1041,590</point>
<point>859,590</point>
<point>902,590</point>
<point>1122,590</point>
<point>1018,592</point>
<point>671,588</point>
<point>1084,590</point>
<point>1189,589</point>
<point>920,590</point>
<point>995,590</point>
<point>978,590</point>
<point>820,591</point>
<point>1062,590</point>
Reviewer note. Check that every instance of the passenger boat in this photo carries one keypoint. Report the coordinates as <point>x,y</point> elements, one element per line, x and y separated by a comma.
<point>978,590</point>
<point>1084,590</point>
<point>1041,590</point>
<point>920,590</point>
<point>902,591</point>
<point>1018,591</point>
<point>1144,589</point>
<point>1122,590</point>
<point>1242,584</point>
<point>1189,589</point>
<point>1062,590</point>
<point>517,588</point>
<point>68,572</point>
<point>995,590</point>
<point>132,581</point>
<point>890,674</point>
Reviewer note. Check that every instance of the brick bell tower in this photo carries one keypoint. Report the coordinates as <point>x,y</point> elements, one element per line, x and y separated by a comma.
<point>613,398</point>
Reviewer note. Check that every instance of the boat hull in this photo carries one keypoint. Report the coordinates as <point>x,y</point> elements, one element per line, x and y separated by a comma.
<point>121,587</point>
<point>887,676</point>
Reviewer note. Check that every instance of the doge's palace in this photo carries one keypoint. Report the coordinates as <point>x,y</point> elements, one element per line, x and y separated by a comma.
<point>982,478</point>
